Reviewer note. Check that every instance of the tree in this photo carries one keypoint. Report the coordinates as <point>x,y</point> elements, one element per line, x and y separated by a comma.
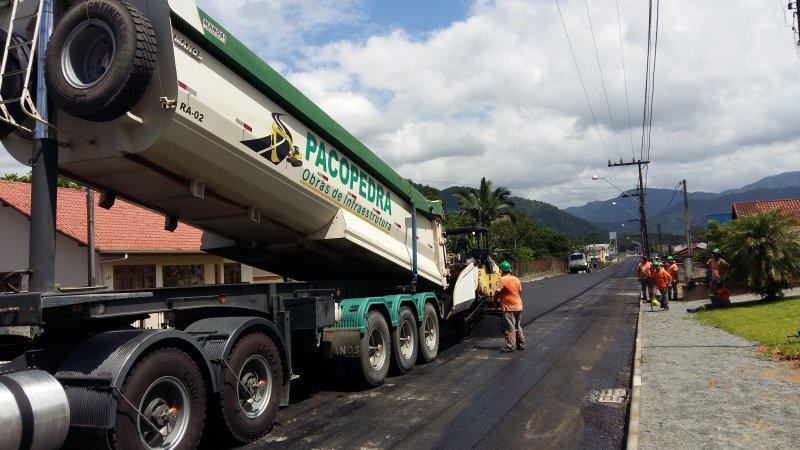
<point>485,205</point>
<point>62,182</point>
<point>522,240</point>
<point>763,250</point>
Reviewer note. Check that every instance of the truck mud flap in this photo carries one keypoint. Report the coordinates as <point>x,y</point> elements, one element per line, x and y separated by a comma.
<point>341,342</point>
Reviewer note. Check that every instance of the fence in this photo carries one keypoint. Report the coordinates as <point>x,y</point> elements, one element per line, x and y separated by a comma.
<point>542,266</point>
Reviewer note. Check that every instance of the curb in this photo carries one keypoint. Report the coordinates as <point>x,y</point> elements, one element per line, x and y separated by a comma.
<point>632,438</point>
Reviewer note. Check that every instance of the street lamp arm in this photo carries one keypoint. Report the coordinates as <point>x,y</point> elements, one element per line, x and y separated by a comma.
<point>595,178</point>
<point>626,209</point>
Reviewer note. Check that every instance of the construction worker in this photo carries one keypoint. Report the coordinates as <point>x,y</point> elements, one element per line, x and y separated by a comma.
<point>720,298</point>
<point>642,274</point>
<point>715,266</point>
<point>672,268</point>
<point>661,280</point>
<point>509,291</point>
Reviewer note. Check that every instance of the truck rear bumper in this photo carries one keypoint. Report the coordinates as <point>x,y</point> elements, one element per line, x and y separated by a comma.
<point>341,342</point>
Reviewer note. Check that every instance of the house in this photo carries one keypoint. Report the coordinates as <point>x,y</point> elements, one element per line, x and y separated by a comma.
<point>133,250</point>
<point>790,206</point>
<point>679,251</point>
<point>597,251</point>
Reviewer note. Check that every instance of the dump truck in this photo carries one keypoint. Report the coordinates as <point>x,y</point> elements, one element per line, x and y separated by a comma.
<point>155,102</point>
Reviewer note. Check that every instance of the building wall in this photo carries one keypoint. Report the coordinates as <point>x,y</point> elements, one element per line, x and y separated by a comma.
<point>71,257</point>
<point>212,266</point>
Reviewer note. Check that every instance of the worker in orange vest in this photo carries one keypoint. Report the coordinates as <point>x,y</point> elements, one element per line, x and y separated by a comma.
<point>672,268</point>
<point>642,274</point>
<point>661,280</point>
<point>509,293</point>
<point>716,266</point>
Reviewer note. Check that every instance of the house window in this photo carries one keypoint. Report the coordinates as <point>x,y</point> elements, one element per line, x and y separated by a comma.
<point>184,275</point>
<point>233,273</point>
<point>135,277</point>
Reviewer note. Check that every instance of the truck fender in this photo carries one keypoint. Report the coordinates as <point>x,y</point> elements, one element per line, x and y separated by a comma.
<point>429,297</point>
<point>94,371</point>
<point>218,335</point>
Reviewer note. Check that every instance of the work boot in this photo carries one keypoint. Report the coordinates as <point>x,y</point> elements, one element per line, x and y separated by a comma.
<point>507,350</point>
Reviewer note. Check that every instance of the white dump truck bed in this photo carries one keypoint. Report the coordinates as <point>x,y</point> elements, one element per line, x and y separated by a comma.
<point>223,142</point>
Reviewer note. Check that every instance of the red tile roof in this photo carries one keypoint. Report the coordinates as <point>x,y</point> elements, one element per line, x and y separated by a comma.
<point>790,206</point>
<point>123,228</point>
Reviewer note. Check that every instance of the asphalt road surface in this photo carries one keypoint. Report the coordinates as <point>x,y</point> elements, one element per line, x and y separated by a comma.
<point>580,332</point>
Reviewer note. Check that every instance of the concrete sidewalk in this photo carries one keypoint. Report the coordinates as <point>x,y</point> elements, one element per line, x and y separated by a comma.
<point>704,388</point>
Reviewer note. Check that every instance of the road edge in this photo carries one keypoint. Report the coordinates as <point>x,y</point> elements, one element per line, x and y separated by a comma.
<point>632,438</point>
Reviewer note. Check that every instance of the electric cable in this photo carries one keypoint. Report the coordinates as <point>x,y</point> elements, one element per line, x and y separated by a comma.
<point>625,77</point>
<point>602,78</point>
<point>583,85</point>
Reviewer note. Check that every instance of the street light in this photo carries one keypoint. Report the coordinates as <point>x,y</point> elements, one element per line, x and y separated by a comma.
<point>595,178</point>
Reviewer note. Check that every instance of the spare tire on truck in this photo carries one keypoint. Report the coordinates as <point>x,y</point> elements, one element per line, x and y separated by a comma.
<point>100,59</point>
<point>18,58</point>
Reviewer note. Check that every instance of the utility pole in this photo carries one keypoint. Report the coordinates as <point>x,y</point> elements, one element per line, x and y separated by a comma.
<point>642,209</point>
<point>91,257</point>
<point>795,6</point>
<point>44,172</point>
<point>658,226</point>
<point>687,262</point>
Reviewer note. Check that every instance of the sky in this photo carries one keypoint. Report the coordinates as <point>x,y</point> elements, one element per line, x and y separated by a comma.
<point>449,91</point>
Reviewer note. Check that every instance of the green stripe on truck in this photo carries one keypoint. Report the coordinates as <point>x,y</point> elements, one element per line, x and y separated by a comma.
<point>258,73</point>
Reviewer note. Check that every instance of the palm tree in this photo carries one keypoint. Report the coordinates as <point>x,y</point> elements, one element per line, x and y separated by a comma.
<point>485,205</point>
<point>764,251</point>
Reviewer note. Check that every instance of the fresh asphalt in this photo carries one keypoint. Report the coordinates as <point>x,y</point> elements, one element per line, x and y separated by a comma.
<point>580,330</point>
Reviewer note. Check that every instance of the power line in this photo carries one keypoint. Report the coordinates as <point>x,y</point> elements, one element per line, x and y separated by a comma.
<point>580,77</point>
<point>625,77</point>
<point>675,191</point>
<point>602,78</point>
<point>647,76</point>
<point>577,188</point>
<point>652,88</point>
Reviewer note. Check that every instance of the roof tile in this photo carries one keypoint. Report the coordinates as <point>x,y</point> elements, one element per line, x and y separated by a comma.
<point>123,228</point>
<point>790,205</point>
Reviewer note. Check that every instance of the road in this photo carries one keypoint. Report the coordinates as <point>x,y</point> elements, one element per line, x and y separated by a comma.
<point>580,331</point>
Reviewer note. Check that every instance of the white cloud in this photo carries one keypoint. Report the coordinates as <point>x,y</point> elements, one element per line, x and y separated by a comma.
<point>497,94</point>
<point>279,27</point>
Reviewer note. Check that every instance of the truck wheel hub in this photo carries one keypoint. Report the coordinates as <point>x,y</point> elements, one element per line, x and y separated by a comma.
<point>164,405</point>
<point>377,353</point>
<point>88,53</point>
<point>255,388</point>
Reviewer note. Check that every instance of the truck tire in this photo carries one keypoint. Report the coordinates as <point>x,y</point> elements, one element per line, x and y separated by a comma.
<point>429,335</point>
<point>372,365</point>
<point>167,388</point>
<point>404,342</point>
<point>12,85</point>
<point>249,414</point>
<point>100,59</point>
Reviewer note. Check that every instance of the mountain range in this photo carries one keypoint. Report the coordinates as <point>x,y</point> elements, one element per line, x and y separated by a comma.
<point>543,214</point>
<point>664,206</point>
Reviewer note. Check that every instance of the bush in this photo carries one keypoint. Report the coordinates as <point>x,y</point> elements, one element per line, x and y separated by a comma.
<point>763,251</point>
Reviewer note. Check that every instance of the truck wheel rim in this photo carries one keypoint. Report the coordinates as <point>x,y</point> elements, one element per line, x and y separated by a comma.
<point>87,53</point>
<point>165,405</point>
<point>377,349</point>
<point>255,387</point>
<point>430,332</point>
<point>406,340</point>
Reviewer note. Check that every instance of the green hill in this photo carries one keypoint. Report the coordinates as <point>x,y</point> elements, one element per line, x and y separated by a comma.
<point>543,214</point>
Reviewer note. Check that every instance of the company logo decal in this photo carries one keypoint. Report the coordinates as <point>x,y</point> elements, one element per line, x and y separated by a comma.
<point>277,146</point>
<point>214,30</point>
